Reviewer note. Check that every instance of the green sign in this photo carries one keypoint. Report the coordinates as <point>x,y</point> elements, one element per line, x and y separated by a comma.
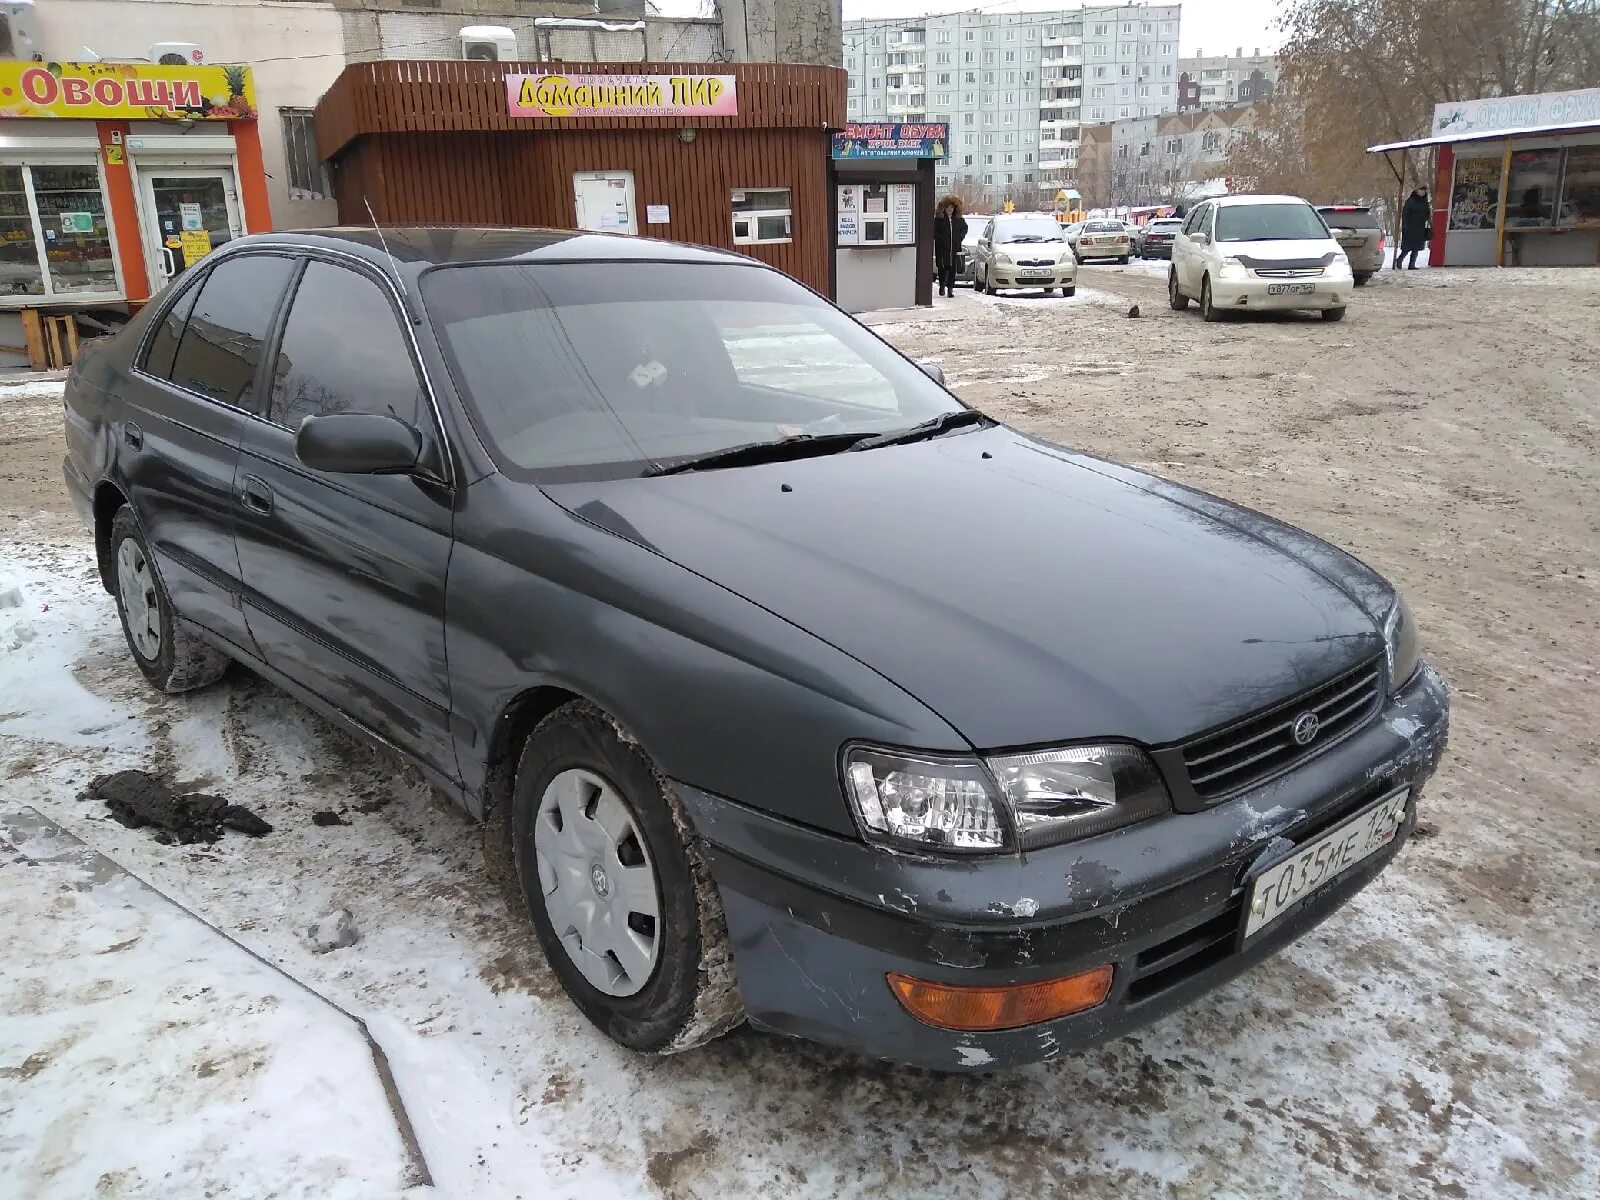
<point>78,222</point>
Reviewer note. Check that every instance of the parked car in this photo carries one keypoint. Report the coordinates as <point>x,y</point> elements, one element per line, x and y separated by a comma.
<point>1249,253</point>
<point>1025,250</point>
<point>565,522</point>
<point>1156,239</point>
<point>1103,239</point>
<point>969,245</point>
<point>1357,231</point>
<point>1071,231</point>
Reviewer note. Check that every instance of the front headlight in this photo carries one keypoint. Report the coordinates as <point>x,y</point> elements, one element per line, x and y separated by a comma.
<point>1232,268</point>
<point>1404,644</point>
<point>947,803</point>
<point>1001,259</point>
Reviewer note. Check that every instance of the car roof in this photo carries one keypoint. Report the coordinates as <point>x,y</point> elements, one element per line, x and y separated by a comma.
<point>413,248</point>
<point>1234,201</point>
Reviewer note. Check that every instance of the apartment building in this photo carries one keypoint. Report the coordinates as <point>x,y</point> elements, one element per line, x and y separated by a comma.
<point>1161,159</point>
<point>1015,87</point>
<point>1220,80</point>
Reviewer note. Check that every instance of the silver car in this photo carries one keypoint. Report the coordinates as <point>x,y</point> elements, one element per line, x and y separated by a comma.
<point>1025,250</point>
<point>1356,230</point>
<point>966,272</point>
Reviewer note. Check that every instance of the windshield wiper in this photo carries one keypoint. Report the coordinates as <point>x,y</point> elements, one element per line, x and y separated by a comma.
<point>747,454</point>
<point>927,429</point>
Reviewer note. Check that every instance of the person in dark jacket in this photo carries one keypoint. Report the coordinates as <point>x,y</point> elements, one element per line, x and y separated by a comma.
<point>949,231</point>
<point>1416,228</point>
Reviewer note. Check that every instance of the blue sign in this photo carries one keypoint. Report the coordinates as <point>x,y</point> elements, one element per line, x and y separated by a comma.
<point>892,140</point>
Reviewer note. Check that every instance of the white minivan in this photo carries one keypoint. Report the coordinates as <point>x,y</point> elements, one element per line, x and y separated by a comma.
<point>1248,253</point>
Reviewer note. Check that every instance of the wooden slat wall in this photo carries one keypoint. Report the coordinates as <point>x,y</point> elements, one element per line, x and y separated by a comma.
<point>445,95</point>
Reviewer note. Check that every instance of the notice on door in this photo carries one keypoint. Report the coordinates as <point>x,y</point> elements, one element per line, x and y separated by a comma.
<point>657,214</point>
<point>189,214</point>
<point>902,213</point>
<point>195,244</point>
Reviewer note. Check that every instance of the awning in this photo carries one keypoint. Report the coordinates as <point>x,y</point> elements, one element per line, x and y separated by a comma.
<point>1495,135</point>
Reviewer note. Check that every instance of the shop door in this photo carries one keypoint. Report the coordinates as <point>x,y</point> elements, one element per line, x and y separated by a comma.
<point>604,201</point>
<point>188,213</point>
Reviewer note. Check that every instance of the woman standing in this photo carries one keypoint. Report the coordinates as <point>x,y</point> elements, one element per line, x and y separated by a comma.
<point>1415,228</point>
<point>949,231</point>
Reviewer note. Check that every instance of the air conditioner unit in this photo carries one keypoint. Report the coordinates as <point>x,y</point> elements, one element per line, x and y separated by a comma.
<point>488,43</point>
<point>176,54</point>
<point>17,39</point>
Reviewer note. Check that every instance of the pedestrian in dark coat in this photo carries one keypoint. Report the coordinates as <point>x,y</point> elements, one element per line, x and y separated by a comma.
<point>1416,227</point>
<point>949,231</point>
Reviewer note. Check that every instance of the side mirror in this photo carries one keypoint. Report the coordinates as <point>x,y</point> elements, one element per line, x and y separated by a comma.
<point>358,444</point>
<point>933,372</point>
<point>1200,239</point>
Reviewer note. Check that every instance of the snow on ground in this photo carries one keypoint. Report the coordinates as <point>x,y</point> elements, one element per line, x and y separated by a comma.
<point>1434,1038</point>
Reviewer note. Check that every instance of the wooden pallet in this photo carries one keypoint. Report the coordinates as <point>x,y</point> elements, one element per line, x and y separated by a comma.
<point>52,339</point>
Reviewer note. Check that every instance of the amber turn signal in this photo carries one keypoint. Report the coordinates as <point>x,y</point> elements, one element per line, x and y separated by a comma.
<point>956,1006</point>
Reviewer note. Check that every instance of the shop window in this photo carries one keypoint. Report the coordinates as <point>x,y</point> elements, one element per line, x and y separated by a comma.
<point>308,177</point>
<point>222,342</point>
<point>1580,200</point>
<point>1531,191</point>
<point>54,236</point>
<point>761,216</point>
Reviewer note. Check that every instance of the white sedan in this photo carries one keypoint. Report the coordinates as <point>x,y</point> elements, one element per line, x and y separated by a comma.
<point>1024,250</point>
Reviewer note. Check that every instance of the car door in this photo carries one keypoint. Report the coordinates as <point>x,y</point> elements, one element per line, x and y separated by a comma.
<point>344,574</point>
<point>193,391</point>
<point>1186,251</point>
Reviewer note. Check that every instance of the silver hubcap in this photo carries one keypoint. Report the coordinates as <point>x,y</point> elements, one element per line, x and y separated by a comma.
<point>598,884</point>
<point>137,587</point>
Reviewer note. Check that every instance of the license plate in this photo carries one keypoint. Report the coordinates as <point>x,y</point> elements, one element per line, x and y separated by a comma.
<point>1324,860</point>
<point>1042,274</point>
<point>1291,289</point>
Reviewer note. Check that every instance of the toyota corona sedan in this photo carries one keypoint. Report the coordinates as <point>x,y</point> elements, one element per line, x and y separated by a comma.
<point>789,688</point>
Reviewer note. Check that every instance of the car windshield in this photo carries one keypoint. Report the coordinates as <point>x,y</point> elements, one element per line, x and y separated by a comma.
<point>607,369</point>
<point>1043,230</point>
<point>1269,223</point>
<point>1104,227</point>
<point>1349,218</point>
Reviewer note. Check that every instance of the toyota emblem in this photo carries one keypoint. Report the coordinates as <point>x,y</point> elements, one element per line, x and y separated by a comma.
<point>1305,728</point>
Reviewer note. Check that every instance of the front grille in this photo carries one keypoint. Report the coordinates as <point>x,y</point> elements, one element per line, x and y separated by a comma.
<point>1036,262</point>
<point>1263,745</point>
<point>1274,273</point>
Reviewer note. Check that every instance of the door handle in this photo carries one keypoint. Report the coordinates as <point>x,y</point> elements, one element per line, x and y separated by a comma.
<point>133,435</point>
<point>255,495</point>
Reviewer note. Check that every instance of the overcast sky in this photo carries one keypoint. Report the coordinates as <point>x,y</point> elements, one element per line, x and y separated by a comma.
<point>1216,26</point>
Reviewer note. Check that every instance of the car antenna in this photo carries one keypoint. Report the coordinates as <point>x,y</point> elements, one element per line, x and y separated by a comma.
<point>394,267</point>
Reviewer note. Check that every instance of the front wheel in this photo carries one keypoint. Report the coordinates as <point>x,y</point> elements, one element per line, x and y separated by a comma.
<point>1069,292</point>
<point>1049,291</point>
<point>169,656</point>
<point>617,889</point>
<point>1333,314</point>
<point>1208,310</point>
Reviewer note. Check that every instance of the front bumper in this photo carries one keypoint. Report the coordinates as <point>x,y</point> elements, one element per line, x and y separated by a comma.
<point>1064,274</point>
<point>818,920</point>
<point>1255,295</point>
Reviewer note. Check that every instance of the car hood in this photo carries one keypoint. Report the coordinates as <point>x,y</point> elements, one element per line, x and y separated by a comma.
<point>1314,248</point>
<point>1025,593</point>
<point>1026,247</point>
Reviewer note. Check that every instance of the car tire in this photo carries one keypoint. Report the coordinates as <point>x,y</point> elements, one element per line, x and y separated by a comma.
<point>1361,279</point>
<point>1208,310</point>
<point>1175,296</point>
<point>1123,261</point>
<point>584,790</point>
<point>988,288</point>
<point>170,656</point>
<point>1333,314</point>
<point>1069,292</point>
<point>1049,291</point>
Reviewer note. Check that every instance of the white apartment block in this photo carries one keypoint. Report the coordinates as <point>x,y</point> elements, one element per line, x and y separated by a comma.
<point>1220,80</point>
<point>1015,87</point>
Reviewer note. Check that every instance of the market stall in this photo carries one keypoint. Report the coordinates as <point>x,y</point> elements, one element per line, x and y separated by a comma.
<point>1517,180</point>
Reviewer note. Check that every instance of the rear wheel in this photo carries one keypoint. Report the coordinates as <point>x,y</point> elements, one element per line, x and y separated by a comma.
<point>1175,296</point>
<point>1208,311</point>
<point>1333,314</point>
<point>170,656</point>
<point>1361,279</point>
<point>619,894</point>
<point>1123,261</point>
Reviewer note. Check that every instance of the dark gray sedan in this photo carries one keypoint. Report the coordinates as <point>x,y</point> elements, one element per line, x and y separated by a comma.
<point>789,688</point>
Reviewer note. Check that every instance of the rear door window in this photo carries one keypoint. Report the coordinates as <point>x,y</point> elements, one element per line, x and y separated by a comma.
<point>228,326</point>
<point>342,351</point>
